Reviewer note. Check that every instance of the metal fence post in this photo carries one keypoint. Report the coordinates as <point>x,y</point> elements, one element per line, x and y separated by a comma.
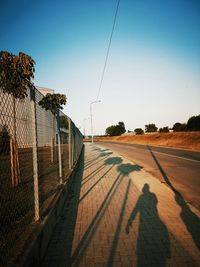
<point>35,163</point>
<point>70,144</point>
<point>52,143</point>
<point>73,148</point>
<point>59,148</point>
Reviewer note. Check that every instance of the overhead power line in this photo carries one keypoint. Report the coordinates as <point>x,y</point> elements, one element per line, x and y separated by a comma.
<point>108,50</point>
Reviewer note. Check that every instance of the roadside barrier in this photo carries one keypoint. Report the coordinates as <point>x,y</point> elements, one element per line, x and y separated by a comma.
<point>38,151</point>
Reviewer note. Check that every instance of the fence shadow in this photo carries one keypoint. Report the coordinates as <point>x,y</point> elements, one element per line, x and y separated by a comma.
<point>90,231</point>
<point>67,221</point>
<point>102,156</point>
<point>110,161</point>
<point>122,170</point>
<point>152,232</point>
<point>94,161</point>
<point>189,218</point>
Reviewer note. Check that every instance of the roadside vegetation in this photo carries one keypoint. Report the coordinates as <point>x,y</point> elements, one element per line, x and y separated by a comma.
<point>182,135</point>
<point>185,140</point>
<point>116,130</point>
<point>193,124</point>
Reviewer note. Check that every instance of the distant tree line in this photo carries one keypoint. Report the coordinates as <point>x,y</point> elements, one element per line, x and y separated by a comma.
<point>193,124</point>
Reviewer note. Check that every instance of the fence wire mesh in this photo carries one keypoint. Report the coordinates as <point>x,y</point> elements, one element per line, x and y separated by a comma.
<point>17,208</point>
<point>64,134</point>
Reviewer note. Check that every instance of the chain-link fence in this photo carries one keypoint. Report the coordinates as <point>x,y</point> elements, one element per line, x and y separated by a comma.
<point>37,152</point>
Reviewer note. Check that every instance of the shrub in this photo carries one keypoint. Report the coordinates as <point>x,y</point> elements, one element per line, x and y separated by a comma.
<point>138,131</point>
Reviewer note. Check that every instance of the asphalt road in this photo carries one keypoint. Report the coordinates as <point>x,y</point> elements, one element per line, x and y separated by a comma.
<point>178,169</point>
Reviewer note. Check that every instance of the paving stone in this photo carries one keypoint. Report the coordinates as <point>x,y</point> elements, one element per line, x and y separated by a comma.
<point>118,223</point>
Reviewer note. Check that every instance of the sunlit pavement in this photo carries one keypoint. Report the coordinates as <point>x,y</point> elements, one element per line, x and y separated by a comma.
<point>117,214</point>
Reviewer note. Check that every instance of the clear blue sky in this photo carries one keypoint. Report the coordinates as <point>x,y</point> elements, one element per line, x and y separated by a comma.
<point>153,70</point>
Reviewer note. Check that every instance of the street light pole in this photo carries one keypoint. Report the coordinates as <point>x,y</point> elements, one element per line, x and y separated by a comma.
<point>84,124</point>
<point>91,117</point>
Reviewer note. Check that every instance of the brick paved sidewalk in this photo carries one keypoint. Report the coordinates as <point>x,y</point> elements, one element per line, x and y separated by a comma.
<point>119,215</point>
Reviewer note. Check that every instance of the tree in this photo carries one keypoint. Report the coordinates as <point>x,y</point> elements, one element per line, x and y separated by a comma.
<point>116,130</point>
<point>16,74</point>
<point>110,130</point>
<point>64,122</point>
<point>164,130</point>
<point>121,127</point>
<point>179,127</point>
<point>53,102</point>
<point>138,131</point>
<point>193,123</point>
<point>150,128</point>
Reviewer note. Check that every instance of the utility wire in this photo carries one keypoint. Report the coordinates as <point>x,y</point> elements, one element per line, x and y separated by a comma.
<point>108,50</point>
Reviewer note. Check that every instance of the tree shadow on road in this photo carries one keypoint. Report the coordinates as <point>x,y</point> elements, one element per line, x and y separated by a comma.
<point>152,233</point>
<point>190,219</point>
<point>110,161</point>
<point>127,168</point>
<point>95,161</point>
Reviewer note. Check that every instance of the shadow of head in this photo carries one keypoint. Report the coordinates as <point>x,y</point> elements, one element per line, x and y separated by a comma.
<point>125,169</point>
<point>113,161</point>
<point>145,188</point>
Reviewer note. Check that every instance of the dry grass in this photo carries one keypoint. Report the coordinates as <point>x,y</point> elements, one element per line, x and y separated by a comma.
<point>186,140</point>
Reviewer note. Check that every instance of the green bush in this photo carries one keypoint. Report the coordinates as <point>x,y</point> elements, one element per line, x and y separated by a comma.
<point>138,131</point>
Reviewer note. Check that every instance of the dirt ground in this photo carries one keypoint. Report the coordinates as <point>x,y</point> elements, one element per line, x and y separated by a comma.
<point>185,140</point>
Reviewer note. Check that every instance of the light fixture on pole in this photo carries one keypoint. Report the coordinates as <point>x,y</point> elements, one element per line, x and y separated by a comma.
<point>98,101</point>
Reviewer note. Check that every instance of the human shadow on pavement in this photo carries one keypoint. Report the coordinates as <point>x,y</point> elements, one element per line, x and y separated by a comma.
<point>152,233</point>
<point>190,219</point>
<point>92,227</point>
